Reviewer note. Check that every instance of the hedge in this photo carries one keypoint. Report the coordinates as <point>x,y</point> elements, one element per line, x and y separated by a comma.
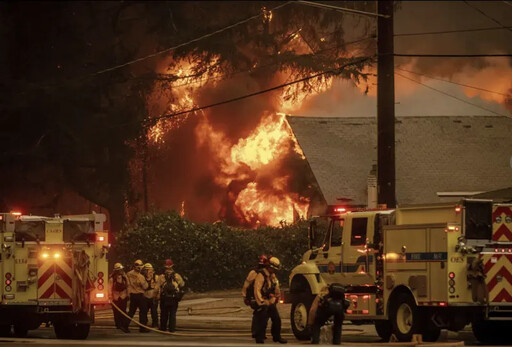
<point>209,256</point>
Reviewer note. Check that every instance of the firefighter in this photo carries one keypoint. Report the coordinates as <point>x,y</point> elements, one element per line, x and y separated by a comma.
<point>170,286</point>
<point>151,294</point>
<point>248,288</point>
<point>118,294</point>
<point>329,302</point>
<point>267,294</point>
<point>137,285</point>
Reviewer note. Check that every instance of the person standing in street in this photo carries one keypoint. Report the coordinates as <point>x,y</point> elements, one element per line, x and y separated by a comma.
<point>267,294</point>
<point>137,285</point>
<point>329,302</point>
<point>118,294</point>
<point>170,286</point>
<point>248,289</point>
<point>151,294</point>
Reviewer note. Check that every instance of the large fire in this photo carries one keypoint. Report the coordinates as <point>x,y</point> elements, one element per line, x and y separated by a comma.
<point>249,158</point>
<point>240,163</point>
<point>254,169</point>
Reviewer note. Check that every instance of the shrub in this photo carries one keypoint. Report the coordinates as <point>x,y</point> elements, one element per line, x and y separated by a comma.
<point>209,256</point>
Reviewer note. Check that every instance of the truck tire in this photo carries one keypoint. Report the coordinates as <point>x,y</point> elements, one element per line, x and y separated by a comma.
<point>384,329</point>
<point>20,330</point>
<point>5,330</point>
<point>404,316</point>
<point>487,332</point>
<point>431,334</point>
<point>73,331</point>
<point>299,319</point>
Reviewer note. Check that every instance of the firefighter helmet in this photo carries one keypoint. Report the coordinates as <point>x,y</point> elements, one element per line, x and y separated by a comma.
<point>138,262</point>
<point>148,266</point>
<point>263,260</point>
<point>274,263</point>
<point>118,266</point>
<point>168,264</point>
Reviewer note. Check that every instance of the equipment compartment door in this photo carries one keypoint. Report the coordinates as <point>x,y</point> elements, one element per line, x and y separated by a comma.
<point>438,266</point>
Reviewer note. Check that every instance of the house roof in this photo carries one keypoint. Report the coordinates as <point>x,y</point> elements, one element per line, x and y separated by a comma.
<point>501,195</point>
<point>433,154</point>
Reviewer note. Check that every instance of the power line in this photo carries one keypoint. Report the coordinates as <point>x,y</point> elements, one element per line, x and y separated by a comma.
<point>341,9</point>
<point>487,16</point>
<point>450,95</point>
<point>199,108</point>
<point>453,82</point>
<point>453,55</point>
<point>185,43</point>
<point>271,64</point>
<point>452,31</point>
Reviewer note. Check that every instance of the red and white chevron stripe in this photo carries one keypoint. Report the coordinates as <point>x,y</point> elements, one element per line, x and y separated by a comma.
<point>498,268</point>
<point>55,278</point>
<point>502,230</point>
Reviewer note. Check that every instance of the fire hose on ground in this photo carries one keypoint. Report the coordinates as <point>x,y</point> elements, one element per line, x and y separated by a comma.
<point>245,334</point>
<point>175,333</point>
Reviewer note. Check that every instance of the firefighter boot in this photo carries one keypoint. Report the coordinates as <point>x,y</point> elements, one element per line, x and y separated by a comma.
<point>280,340</point>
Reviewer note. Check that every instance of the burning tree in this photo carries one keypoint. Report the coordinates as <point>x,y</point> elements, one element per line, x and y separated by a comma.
<point>239,161</point>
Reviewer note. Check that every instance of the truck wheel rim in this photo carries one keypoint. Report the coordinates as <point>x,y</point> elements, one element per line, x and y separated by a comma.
<point>300,316</point>
<point>404,318</point>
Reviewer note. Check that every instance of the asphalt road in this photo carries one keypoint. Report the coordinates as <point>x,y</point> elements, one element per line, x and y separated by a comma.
<point>206,321</point>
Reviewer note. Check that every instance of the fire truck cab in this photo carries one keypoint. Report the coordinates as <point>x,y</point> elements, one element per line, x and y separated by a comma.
<point>52,270</point>
<point>414,270</point>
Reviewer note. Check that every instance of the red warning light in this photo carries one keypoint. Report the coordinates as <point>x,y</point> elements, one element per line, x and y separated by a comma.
<point>458,209</point>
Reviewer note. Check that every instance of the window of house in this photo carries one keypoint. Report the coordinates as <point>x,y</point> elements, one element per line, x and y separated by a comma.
<point>358,237</point>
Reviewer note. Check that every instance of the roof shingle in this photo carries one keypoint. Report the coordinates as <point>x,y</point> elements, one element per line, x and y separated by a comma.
<point>433,154</point>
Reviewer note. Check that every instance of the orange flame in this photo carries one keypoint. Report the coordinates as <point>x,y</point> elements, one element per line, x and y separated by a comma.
<point>269,143</point>
<point>270,208</point>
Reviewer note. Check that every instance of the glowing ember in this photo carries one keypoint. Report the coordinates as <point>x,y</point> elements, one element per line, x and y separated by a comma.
<point>182,212</point>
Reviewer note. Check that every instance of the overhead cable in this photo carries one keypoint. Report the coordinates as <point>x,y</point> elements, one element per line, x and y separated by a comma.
<point>342,9</point>
<point>280,86</point>
<point>270,64</point>
<point>452,31</point>
<point>487,16</point>
<point>450,81</point>
<point>450,95</point>
<point>186,43</point>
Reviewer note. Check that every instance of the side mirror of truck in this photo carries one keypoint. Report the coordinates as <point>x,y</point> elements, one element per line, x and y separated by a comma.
<point>311,234</point>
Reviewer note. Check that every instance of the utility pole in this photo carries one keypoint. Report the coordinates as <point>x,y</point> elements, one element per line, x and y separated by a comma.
<point>385,107</point>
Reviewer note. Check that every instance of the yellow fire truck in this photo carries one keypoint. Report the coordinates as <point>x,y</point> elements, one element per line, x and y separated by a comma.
<point>414,270</point>
<point>53,270</point>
